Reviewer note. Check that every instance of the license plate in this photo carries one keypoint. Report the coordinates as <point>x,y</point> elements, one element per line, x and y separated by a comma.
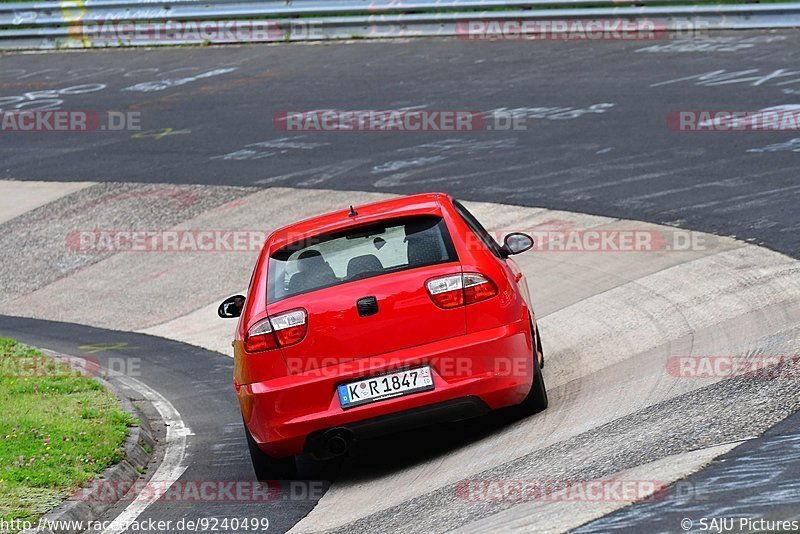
<point>385,387</point>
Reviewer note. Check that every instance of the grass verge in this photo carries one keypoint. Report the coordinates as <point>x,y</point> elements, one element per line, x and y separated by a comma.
<point>58,430</point>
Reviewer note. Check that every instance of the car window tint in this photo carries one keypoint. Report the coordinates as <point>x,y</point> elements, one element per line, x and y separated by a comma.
<point>355,254</point>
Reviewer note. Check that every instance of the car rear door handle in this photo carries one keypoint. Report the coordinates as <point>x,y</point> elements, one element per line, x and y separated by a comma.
<point>367,306</point>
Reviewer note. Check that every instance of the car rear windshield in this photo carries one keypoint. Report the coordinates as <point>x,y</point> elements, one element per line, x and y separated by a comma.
<point>358,253</point>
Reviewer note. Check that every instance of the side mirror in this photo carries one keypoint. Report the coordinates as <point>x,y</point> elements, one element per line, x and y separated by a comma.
<point>517,242</point>
<point>231,307</point>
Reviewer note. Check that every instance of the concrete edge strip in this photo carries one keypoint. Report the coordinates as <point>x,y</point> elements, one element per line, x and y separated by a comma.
<point>760,480</point>
<point>692,460</point>
<point>172,465</point>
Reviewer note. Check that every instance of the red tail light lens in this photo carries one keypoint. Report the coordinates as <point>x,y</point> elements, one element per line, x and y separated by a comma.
<point>477,288</point>
<point>447,291</point>
<point>460,289</point>
<point>290,327</point>
<point>260,337</point>
<point>277,331</point>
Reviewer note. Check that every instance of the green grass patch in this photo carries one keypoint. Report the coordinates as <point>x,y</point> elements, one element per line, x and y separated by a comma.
<point>58,430</point>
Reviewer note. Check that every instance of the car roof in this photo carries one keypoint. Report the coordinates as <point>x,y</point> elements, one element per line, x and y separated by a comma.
<point>421,204</point>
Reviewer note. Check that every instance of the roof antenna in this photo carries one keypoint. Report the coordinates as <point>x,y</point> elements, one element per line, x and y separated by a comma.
<point>353,212</point>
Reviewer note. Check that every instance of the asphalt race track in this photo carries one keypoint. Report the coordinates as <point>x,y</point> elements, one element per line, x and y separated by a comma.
<point>615,157</point>
<point>596,152</point>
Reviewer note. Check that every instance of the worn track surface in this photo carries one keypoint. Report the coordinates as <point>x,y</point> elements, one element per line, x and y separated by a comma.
<point>596,145</point>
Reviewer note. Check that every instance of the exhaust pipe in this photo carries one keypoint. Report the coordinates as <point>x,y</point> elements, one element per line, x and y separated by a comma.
<point>336,442</point>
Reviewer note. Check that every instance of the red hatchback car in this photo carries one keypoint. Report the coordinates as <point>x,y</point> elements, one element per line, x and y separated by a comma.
<point>382,318</point>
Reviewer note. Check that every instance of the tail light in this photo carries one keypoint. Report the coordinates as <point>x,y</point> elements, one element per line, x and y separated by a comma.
<point>460,289</point>
<point>290,327</point>
<point>447,291</point>
<point>477,288</point>
<point>281,330</point>
<point>260,337</point>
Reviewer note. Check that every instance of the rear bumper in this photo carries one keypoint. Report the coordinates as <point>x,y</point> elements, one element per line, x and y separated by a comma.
<point>494,367</point>
<point>442,412</point>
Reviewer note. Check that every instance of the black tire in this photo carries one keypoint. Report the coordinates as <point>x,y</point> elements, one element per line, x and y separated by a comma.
<point>536,400</point>
<point>265,466</point>
<point>539,346</point>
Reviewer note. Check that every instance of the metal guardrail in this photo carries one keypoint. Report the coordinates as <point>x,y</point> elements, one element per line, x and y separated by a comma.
<point>101,23</point>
